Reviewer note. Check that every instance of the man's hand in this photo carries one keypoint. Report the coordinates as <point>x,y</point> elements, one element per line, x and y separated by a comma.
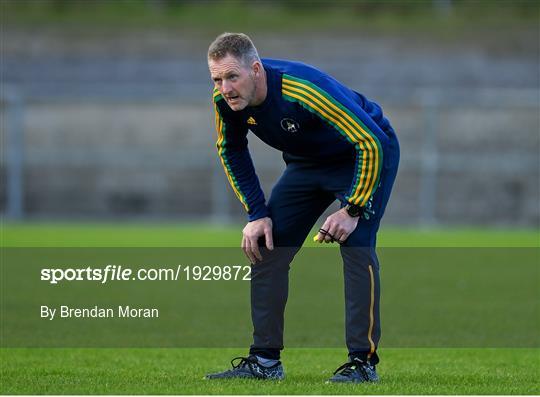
<point>339,225</point>
<point>251,234</point>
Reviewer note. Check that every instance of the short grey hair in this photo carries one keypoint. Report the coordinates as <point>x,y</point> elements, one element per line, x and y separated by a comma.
<point>238,45</point>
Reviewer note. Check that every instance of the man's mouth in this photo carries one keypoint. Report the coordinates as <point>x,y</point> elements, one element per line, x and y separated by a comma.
<point>233,98</point>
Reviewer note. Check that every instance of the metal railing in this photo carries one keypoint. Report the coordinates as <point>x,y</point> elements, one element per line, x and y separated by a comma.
<point>428,161</point>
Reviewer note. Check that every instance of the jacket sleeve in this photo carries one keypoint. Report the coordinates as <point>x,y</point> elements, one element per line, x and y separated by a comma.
<point>232,148</point>
<point>336,105</point>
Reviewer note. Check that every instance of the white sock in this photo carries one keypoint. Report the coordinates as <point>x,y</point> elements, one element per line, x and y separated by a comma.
<point>266,362</point>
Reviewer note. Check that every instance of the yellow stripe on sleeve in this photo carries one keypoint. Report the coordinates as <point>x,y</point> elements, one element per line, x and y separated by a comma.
<point>226,168</point>
<point>339,117</point>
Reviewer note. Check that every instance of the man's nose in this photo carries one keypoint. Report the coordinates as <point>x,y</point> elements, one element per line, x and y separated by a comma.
<point>226,87</point>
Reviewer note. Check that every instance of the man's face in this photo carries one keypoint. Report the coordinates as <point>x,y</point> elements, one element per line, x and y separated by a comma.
<point>234,80</point>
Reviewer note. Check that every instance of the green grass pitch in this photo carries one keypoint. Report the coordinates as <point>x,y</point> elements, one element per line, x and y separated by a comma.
<point>181,370</point>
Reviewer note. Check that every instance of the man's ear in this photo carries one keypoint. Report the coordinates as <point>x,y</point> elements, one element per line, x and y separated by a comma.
<point>256,67</point>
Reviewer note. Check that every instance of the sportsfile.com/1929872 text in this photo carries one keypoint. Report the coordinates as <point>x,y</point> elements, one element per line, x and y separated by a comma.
<point>122,273</point>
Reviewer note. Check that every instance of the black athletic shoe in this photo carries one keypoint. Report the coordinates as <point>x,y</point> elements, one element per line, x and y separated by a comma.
<point>249,367</point>
<point>355,371</point>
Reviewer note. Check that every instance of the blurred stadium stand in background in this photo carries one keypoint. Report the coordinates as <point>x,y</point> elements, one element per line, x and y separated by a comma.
<point>117,122</point>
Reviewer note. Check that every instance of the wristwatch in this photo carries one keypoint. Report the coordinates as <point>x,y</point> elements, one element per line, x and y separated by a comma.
<point>353,210</point>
